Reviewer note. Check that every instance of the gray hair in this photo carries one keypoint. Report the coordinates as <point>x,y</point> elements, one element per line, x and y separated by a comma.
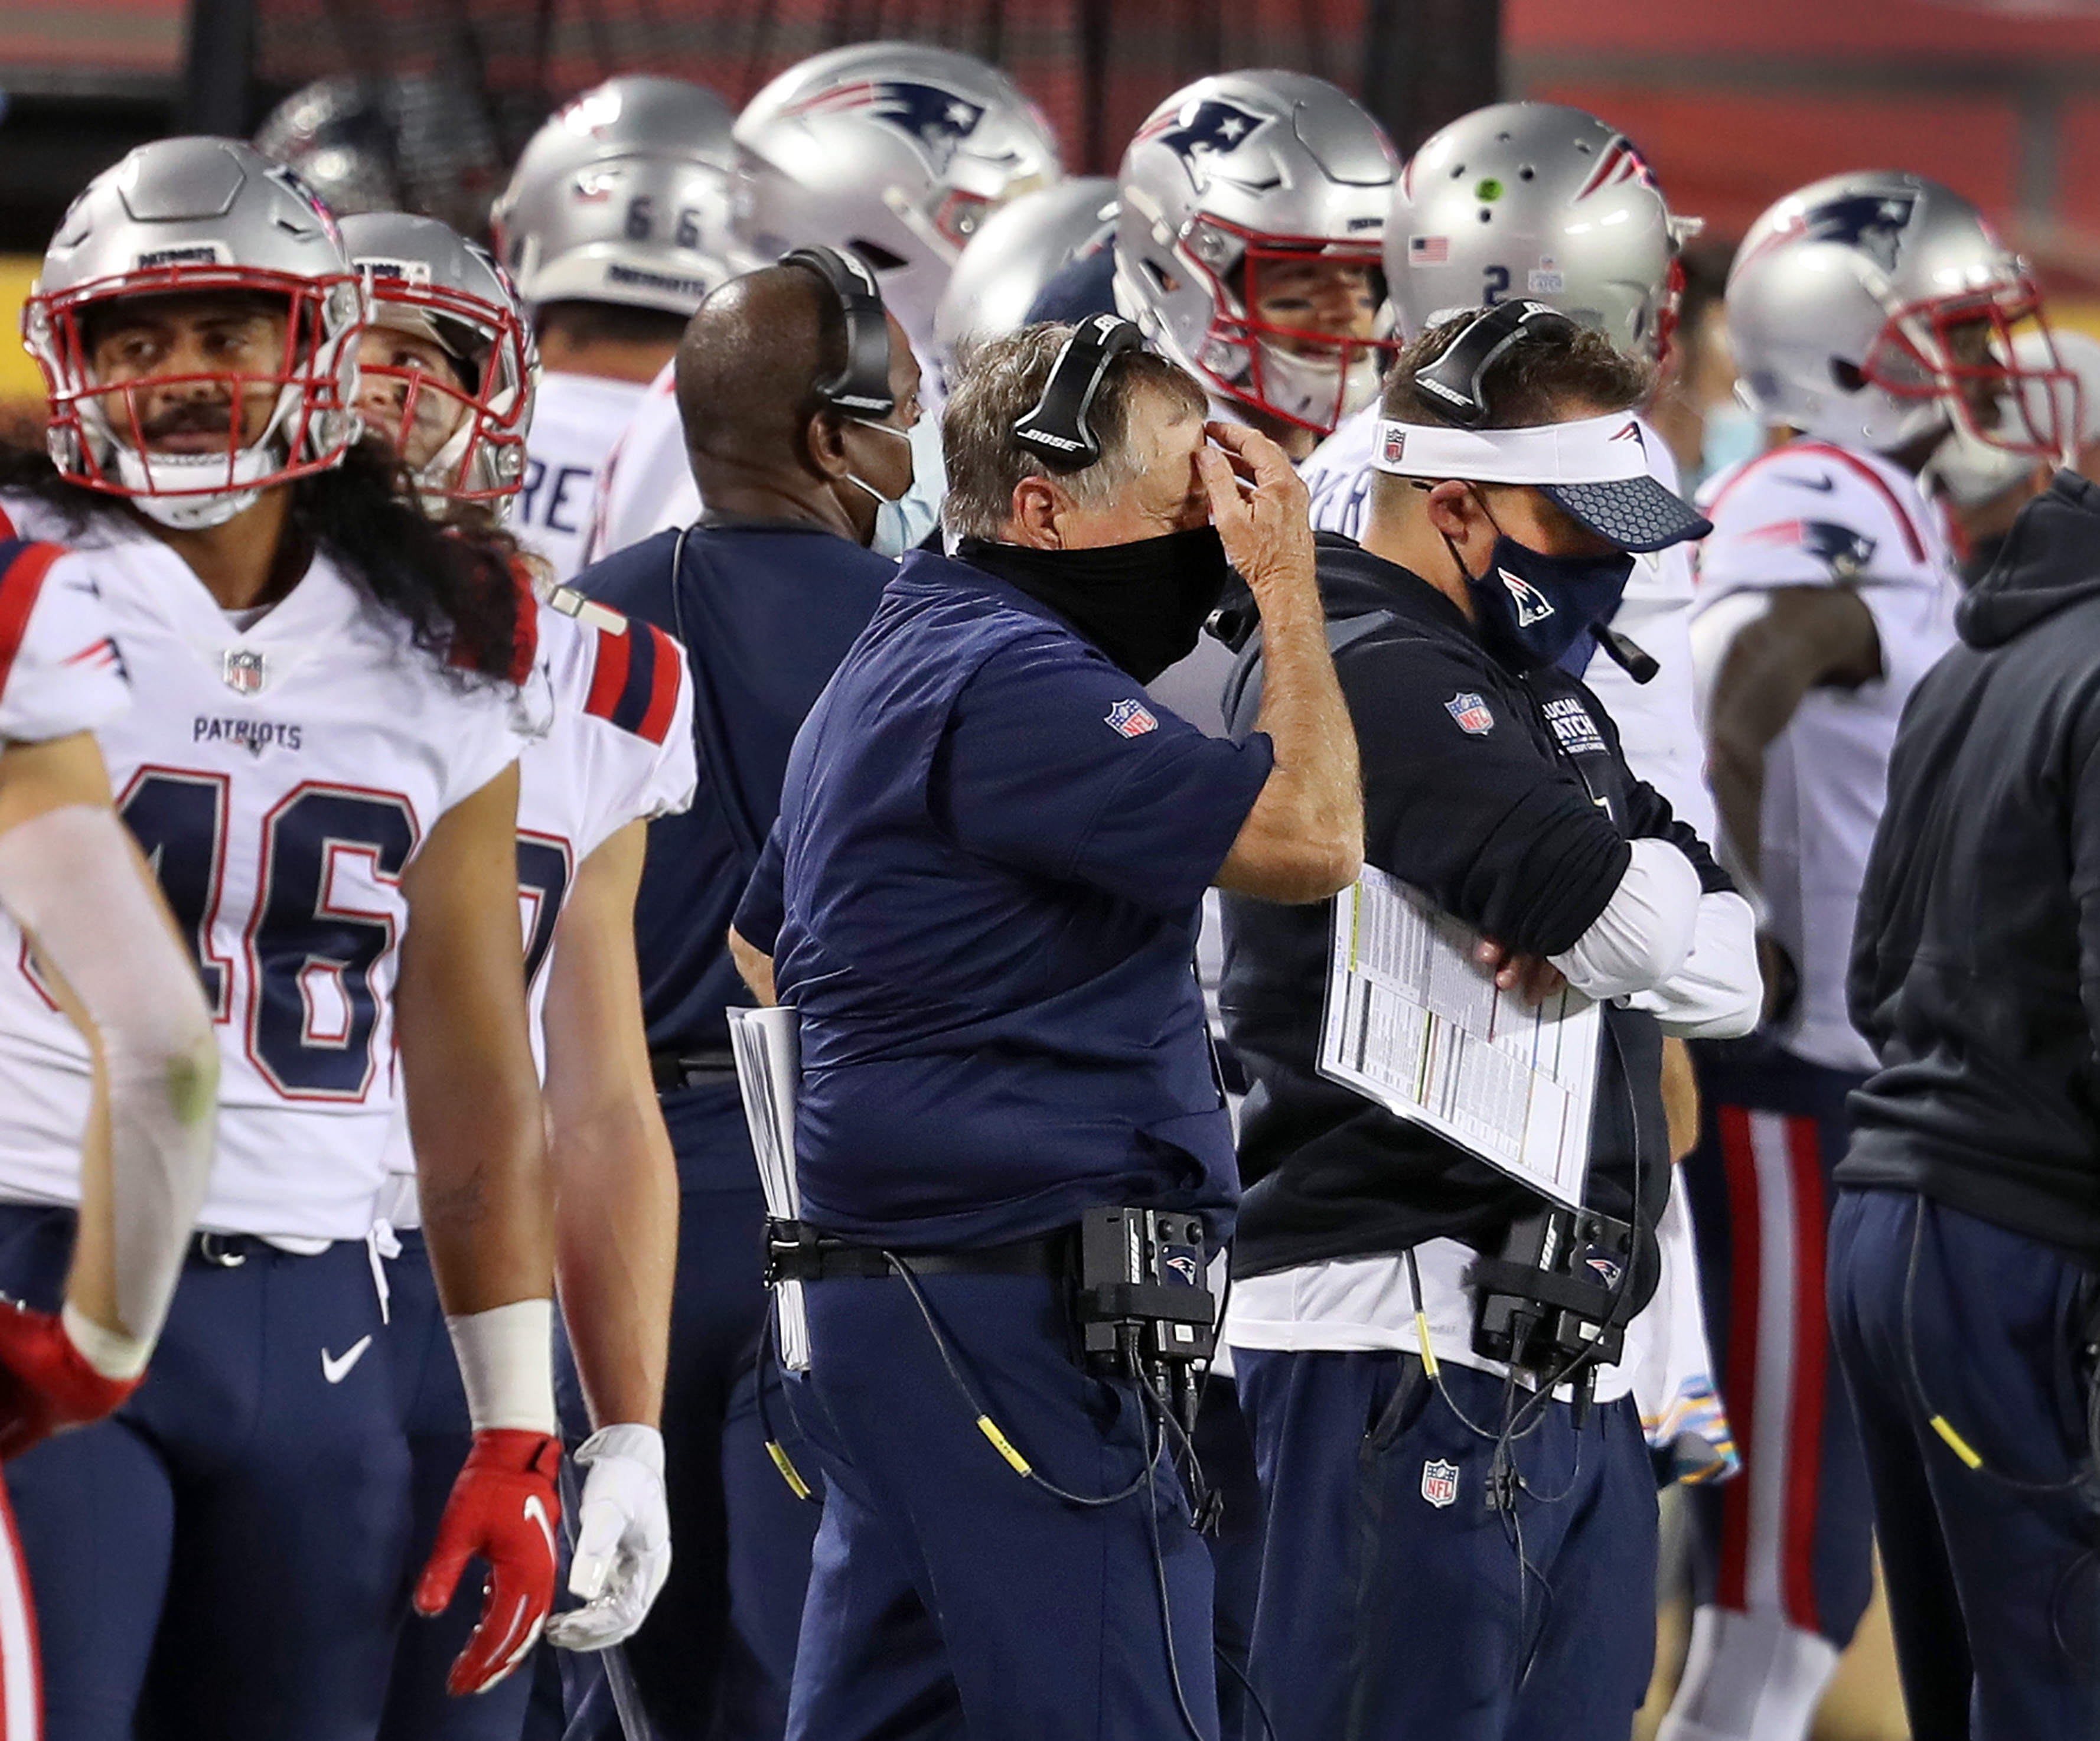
<point>1001,379</point>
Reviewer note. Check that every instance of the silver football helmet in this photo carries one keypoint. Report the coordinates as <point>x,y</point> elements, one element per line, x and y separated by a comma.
<point>203,217</point>
<point>896,150</point>
<point>1227,178</point>
<point>408,142</point>
<point>1874,308</point>
<point>1022,246</point>
<point>462,435</point>
<point>622,196</point>
<point>1542,201</point>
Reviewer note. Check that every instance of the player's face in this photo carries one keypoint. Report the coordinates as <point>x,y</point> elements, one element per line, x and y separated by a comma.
<point>178,356</point>
<point>1323,299</point>
<point>397,369</point>
<point>1972,344</point>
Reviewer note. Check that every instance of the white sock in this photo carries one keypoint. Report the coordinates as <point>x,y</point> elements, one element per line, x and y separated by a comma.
<point>1748,1677</point>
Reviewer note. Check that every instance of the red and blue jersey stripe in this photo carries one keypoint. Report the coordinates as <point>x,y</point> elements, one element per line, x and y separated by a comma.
<point>634,681</point>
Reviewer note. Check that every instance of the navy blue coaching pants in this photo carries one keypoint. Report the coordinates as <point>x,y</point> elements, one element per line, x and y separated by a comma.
<point>1990,1571</point>
<point>952,1598</point>
<point>1393,1607</point>
<point>223,1559</point>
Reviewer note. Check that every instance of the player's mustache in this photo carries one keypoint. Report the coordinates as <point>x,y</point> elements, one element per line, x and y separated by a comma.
<point>190,417</point>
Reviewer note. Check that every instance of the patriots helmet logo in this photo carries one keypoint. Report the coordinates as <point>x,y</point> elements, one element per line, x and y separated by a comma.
<point>1532,605</point>
<point>1872,222</point>
<point>934,118</point>
<point>1214,128</point>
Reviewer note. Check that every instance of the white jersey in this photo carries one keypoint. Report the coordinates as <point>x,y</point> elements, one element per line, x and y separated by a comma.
<point>59,669</point>
<point>1657,721</point>
<point>645,486</point>
<point>620,750</point>
<point>576,421</point>
<point>281,777</point>
<point>1812,515</point>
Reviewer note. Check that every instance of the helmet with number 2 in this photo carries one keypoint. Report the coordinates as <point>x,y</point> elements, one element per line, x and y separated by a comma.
<point>203,217</point>
<point>622,196</point>
<point>1877,308</point>
<point>1233,176</point>
<point>1541,201</point>
<point>463,433</point>
<point>896,150</point>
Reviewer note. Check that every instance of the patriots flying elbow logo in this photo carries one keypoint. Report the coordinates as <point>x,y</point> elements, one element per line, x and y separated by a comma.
<point>935,119</point>
<point>1872,222</point>
<point>1842,551</point>
<point>1213,129</point>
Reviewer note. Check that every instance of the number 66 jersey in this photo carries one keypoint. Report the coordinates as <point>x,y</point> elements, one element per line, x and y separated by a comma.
<point>280,774</point>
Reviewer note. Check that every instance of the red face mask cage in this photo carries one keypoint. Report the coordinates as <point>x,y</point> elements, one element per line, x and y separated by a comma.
<point>1961,348</point>
<point>323,316</point>
<point>493,414</point>
<point>1236,324</point>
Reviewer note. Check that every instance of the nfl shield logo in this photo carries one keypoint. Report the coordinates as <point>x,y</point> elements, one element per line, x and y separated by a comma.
<point>1440,1483</point>
<point>1472,713</point>
<point>243,670</point>
<point>1395,445</point>
<point>1131,719</point>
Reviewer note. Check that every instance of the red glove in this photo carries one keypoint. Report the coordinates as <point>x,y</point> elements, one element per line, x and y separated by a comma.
<point>503,1508</point>
<point>46,1382</point>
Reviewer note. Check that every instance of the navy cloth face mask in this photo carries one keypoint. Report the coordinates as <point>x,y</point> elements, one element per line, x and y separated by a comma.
<point>1530,608</point>
<point>1143,603</point>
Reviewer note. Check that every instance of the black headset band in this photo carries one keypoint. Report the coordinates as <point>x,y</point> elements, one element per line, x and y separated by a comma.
<point>862,388</point>
<point>1057,431</point>
<point>1451,386</point>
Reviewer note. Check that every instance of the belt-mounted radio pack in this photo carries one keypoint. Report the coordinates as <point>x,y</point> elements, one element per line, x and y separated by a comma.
<point>1554,1303</point>
<point>1143,1297</point>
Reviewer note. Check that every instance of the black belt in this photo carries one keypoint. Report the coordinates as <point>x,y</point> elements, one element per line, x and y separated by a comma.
<point>796,1253</point>
<point>672,1070</point>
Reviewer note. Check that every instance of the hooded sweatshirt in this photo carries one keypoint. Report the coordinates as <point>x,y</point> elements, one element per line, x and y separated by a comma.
<point>1975,970</point>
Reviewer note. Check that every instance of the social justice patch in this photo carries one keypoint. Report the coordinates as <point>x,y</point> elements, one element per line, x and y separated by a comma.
<point>1572,724</point>
<point>1472,713</point>
<point>1131,719</point>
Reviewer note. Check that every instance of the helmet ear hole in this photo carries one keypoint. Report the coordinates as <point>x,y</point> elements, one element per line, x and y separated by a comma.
<point>1849,376</point>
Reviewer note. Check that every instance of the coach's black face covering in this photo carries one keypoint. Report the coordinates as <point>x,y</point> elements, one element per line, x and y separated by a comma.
<point>1142,604</point>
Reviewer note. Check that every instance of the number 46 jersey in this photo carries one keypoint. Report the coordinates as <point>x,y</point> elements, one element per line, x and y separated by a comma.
<point>280,778</point>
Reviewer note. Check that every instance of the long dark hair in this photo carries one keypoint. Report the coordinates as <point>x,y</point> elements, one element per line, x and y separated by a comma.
<point>459,591</point>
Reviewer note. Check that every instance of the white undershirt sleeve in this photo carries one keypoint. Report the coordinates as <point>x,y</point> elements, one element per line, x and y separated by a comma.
<point>1717,993</point>
<point>1646,930</point>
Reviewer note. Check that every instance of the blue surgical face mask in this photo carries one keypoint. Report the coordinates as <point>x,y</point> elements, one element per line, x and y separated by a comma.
<point>903,523</point>
<point>1530,608</point>
<point>1731,436</point>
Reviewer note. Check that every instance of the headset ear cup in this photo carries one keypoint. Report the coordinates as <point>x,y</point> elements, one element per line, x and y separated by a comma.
<point>863,385</point>
<point>1056,429</point>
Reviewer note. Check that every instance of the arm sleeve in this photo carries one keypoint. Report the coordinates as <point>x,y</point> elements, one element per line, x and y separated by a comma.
<point>764,905</point>
<point>1464,804</point>
<point>1646,932</point>
<point>70,878</point>
<point>1055,764</point>
<point>1717,991</point>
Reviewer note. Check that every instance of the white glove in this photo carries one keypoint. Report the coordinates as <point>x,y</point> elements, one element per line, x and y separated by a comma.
<point>622,1550</point>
